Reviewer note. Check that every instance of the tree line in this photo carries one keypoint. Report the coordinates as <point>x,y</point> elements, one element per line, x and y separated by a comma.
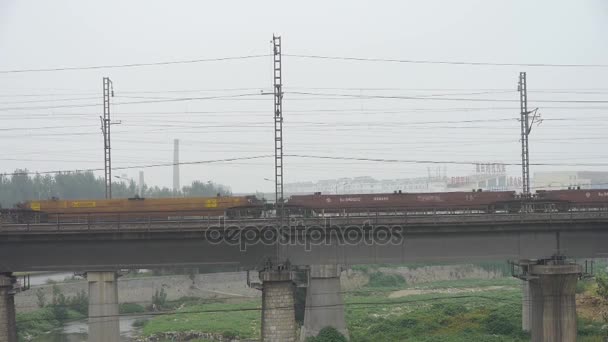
<point>21,186</point>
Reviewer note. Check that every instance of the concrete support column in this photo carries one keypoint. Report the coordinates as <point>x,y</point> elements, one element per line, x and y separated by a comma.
<point>526,306</point>
<point>552,294</point>
<point>103,307</point>
<point>8,326</point>
<point>324,303</point>
<point>278,313</point>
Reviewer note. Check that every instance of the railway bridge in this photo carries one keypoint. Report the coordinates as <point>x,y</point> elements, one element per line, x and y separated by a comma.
<point>536,241</point>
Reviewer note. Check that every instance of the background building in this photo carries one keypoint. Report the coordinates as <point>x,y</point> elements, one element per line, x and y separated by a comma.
<point>564,179</point>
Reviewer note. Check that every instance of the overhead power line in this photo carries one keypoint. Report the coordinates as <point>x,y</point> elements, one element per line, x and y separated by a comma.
<point>132,65</point>
<point>398,97</point>
<point>383,160</point>
<point>138,102</point>
<point>137,166</point>
<point>415,61</point>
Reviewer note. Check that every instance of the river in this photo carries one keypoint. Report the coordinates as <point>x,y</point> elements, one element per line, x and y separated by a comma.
<point>77,331</point>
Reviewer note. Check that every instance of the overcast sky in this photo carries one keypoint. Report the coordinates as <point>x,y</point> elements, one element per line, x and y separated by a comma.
<point>50,120</point>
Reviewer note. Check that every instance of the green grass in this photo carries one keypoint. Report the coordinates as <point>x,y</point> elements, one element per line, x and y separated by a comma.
<point>41,321</point>
<point>492,316</point>
<point>242,319</point>
<point>378,280</point>
<point>130,308</point>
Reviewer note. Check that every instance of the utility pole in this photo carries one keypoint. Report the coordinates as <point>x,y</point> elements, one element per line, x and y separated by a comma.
<point>175,166</point>
<point>108,91</point>
<point>278,125</point>
<point>526,128</point>
<point>525,155</point>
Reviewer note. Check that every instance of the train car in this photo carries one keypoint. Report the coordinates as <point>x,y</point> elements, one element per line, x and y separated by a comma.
<point>139,208</point>
<point>402,202</point>
<point>16,215</point>
<point>575,199</point>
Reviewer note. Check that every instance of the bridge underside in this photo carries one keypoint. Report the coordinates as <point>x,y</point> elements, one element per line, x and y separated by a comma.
<point>121,250</point>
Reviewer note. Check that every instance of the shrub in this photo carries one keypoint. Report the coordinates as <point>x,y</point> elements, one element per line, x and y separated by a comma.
<point>328,334</point>
<point>59,304</point>
<point>229,335</point>
<point>450,309</point>
<point>582,286</point>
<point>159,299</point>
<point>129,308</point>
<point>79,303</point>
<point>499,322</point>
<point>140,322</point>
<point>40,298</point>
<point>379,279</point>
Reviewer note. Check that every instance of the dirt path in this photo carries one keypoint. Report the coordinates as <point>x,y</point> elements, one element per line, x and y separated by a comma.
<point>414,292</point>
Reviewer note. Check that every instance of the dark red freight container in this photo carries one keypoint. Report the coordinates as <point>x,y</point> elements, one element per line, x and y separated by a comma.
<point>401,201</point>
<point>589,196</point>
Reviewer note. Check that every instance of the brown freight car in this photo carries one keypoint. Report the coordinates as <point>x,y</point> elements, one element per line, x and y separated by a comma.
<point>402,202</point>
<point>563,200</point>
<point>140,208</point>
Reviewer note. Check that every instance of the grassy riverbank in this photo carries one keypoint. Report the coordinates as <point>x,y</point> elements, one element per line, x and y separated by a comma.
<point>30,324</point>
<point>387,308</point>
<point>486,310</point>
<point>240,319</point>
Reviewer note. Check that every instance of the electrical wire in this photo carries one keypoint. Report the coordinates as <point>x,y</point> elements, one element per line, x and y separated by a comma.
<point>360,96</point>
<point>138,166</point>
<point>413,61</point>
<point>114,66</point>
<point>138,102</point>
<point>433,161</point>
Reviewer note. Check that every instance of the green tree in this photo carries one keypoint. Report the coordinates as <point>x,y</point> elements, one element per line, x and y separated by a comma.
<point>328,334</point>
<point>20,187</point>
<point>159,299</point>
<point>40,298</point>
<point>79,303</point>
<point>602,291</point>
<point>59,304</point>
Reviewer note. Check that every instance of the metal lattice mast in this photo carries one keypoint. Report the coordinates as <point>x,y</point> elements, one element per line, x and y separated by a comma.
<point>278,124</point>
<point>105,129</point>
<point>525,131</point>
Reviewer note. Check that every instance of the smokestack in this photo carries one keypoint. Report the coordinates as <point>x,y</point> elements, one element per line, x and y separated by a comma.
<point>176,165</point>
<point>141,184</point>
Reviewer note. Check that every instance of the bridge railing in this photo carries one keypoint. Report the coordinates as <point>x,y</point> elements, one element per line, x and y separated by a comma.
<point>580,214</point>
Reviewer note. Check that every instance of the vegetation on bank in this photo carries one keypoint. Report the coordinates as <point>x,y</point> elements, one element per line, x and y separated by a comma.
<point>442,311</point>
<point>492,315</point>
<point>44,320</point>
<point>500,267</point>
<point>20,186</point>
<point>237,320</point>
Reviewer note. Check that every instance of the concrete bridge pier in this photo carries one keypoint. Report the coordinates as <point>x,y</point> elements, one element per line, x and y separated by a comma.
<point>103,306</point>
<point>278,312</point>
<point>8,325</point>
<point>552,296</point>
<point>324,304</point>
<point>526,306</point>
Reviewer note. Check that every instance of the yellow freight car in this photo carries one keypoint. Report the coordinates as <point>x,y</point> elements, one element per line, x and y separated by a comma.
<point>144,208</point>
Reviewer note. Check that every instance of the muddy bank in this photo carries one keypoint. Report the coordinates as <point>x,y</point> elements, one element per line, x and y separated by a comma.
<point>353,279</point>
<point>140,290</point>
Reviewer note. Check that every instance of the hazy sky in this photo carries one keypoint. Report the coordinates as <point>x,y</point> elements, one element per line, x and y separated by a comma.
<point>50,120</point>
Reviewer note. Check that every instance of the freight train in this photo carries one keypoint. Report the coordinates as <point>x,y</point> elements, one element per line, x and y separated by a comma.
<point>133,209</point>
<point>449,202</point>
